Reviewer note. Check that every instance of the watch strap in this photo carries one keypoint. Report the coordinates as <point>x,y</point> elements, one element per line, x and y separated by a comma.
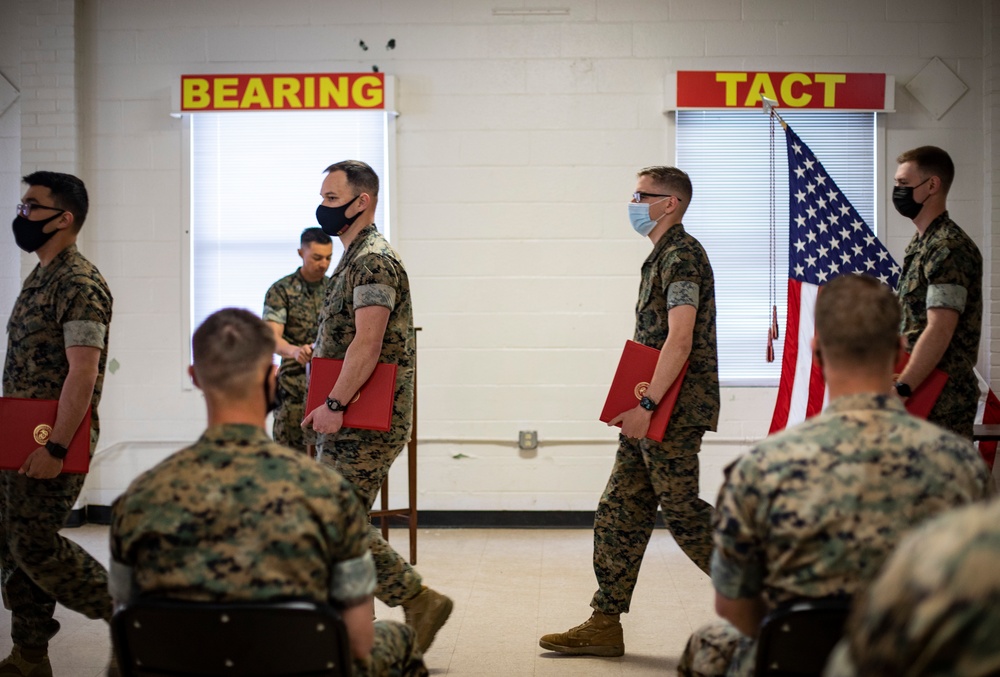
<point>56,450</point>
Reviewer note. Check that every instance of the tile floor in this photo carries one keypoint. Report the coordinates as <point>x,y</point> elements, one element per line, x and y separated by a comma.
<point>510,586</point>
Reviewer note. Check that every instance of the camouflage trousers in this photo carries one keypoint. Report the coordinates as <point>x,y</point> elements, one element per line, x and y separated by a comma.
<point>648,474</point>
<point>365,466</point>
<point>38,567</point>
<point>287,428</point>
<point>394,653</point>
<point>718,649</point>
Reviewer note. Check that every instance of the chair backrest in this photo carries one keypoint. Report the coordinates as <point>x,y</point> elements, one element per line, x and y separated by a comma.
<point>796,638</point>
<point>155,636</point>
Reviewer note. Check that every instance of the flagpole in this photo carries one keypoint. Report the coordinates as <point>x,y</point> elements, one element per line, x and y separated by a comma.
<point>769,106</point>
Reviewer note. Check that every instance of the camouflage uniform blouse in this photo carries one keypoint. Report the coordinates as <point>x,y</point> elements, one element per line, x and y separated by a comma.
<point>371,273</point>
<point>814,510</point>
<point>944,269</point>
<point>935,608</point>
<point>296,304</point>
<point>677,272</point>
<point>237,517</point>
<point>66,303</point>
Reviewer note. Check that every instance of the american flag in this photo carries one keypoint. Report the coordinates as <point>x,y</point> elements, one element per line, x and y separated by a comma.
<point>827,238</point>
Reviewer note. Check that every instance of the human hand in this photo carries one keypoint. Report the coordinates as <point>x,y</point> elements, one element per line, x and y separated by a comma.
<point>303,353</point>
<point>634,422</point>
<point>41,465</point>
<point>322,420</point>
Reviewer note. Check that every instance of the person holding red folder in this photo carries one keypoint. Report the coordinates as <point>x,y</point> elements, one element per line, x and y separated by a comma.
<point>367,318</point>
<point>57,348</point>
<point>675,314</point>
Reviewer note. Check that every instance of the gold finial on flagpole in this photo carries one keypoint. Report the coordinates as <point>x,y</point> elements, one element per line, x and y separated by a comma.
<point>769,106</point>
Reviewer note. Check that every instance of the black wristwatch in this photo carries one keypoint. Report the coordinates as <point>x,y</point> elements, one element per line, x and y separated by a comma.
<point>647,404</point>
<point>56,450</point>
<point>902,389</point>
<point>335,405</point>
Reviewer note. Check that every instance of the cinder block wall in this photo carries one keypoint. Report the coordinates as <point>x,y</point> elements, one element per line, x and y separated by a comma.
<point>518,140</point>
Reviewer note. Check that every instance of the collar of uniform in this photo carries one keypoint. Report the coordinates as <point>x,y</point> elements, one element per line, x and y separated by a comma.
<point>41,274</point>
<point>363,236</point>
<point>861,401</point>
<point>673,235</point>
<point>234,432</point>
<point>936,223</point>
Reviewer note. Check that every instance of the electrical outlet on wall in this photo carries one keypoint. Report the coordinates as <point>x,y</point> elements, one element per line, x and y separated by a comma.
<point>527,439</point>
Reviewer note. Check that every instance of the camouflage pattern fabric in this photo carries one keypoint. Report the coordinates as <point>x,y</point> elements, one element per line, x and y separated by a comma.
<point>296,304</point>
<point>646,475</point>
<point>718,649</point>
<point>678,272</point>
<point>66,303</point>
<point>934,610</point>
<point>238,517</point>
<point>944,269</point>
<point>813,511</point>
<point>365,466</point>
<point>372,273</point>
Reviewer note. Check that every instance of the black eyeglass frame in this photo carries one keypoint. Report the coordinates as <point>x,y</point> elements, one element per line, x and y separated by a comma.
<point>24,208</point>
<point>638,196</point>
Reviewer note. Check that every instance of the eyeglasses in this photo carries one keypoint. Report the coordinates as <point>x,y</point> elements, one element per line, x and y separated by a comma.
<point>638,196</point>
<point>24,209</point>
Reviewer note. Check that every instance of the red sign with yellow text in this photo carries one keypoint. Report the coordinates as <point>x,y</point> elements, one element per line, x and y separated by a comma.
<point>745,89</point>
<point>305,91</point>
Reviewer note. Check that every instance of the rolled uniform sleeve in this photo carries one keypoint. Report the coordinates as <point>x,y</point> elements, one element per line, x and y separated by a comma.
<point>374,279</point>
<point>85,314</point>
<point>737,566</point>
<point>681,276</point>
<point>948,282</point>
<point>275,306</point>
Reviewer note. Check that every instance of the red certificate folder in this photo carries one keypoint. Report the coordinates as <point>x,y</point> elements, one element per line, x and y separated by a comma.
<point>371,408</point>
<point>635,371</point>
<point>926,395</point>
<point>26,424</point>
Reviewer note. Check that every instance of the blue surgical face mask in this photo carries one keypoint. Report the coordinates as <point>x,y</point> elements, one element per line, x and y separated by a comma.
<point>638,214</point>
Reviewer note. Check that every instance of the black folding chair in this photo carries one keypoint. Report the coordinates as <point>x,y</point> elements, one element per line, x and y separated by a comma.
<point>796,638</point>
<point>156,637</point>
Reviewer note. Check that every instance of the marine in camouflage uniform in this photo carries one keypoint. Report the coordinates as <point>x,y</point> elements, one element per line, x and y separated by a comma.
<point>813,511</point>
<point>237,517</point>
<point>943,268</point>
<point>934,610</point>
<point>63,304</point>
<point>649,474</point>
<point>294,303</point>
<point>372,273</point>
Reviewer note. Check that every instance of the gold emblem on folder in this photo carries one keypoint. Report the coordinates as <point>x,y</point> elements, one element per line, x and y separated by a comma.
<point>640,389</point>
<point>42,432</point>
<point>357,396</point>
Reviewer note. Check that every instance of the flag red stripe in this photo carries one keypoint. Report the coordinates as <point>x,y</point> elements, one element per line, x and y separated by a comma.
<point>779,419</point>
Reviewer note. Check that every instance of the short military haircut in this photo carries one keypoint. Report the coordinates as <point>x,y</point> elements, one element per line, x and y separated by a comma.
<point>230,351</point>
<point>857,321</point>
<point>313,236</point>
<point>68,192</point>
<point>931,161</point>
<point>673,181</point>
<point>360,176</point>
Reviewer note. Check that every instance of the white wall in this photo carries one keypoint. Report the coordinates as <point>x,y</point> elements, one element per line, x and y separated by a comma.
<point>518,141</point>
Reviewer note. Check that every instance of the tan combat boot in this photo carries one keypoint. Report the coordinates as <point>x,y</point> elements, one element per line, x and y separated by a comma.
<point>600,635</point>
<point>18,663</point>
<point>426,612</point>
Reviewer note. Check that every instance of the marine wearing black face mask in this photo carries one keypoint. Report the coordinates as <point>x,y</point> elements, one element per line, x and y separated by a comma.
<point>334,220</point>
<point>29,235</point>
<point>902,200</point>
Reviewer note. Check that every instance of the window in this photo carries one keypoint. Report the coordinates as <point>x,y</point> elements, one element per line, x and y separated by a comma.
<point>726,154</point>
<point>254,186</point>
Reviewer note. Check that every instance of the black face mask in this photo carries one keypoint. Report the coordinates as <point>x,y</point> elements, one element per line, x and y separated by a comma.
<point>334,220</point>
<point>902,200</point>
<point>28,234</point>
